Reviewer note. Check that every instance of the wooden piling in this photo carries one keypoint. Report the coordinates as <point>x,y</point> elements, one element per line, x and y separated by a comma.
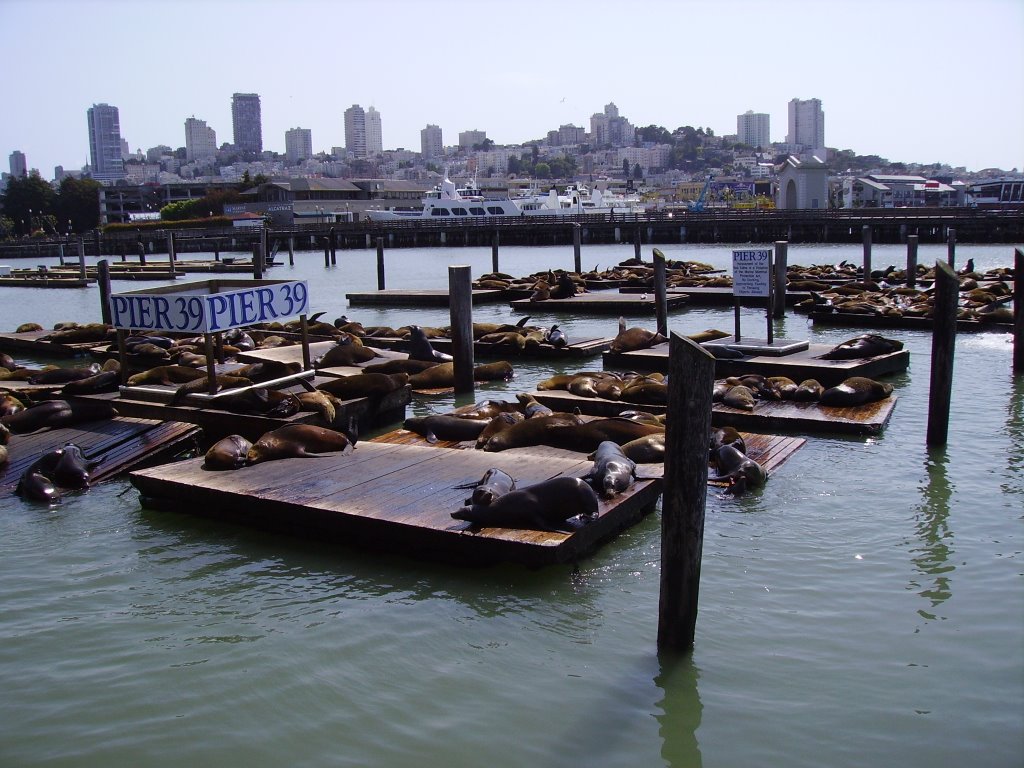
<point>81,259</point>
<point>291,250</point>
<point>947,293</point>
<point>1018,311</point>
<point>637,243</point>
<point>494,251</point>
<point>691,381</point>
<point>257,261</point>
<point>460,301</point>
<point>103,278</point>
<point>951,248</point>
<point>327,253</point>
<point>576,231</point>
<point>911,261</point>
<point>170,253</point>
<point>779,285</point>
<point>380,263</point>
<point>660,292</point>
<point>334,246</point>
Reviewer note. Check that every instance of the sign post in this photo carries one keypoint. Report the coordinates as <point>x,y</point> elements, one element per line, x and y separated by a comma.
<point>751,276</point>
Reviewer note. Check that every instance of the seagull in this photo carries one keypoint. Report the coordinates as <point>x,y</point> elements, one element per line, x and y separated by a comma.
<point>562,101</point>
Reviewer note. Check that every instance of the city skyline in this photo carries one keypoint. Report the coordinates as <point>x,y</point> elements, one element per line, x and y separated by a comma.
<point>717,62</point>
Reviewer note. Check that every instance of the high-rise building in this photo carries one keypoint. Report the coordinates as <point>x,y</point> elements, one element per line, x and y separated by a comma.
<point>468,139</point>
<point>105,143</point>
<point>355,131</point>
<point>298,145</point>
<point>200,140</point>
<point>247,122</point>
<point>752,128</point>
<point>19,167</point>
<point>806,124</point>
<point>374,137</point>
<point>431,144</point>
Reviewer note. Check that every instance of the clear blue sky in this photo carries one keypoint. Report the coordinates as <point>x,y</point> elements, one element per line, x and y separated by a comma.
<point>911,80</point>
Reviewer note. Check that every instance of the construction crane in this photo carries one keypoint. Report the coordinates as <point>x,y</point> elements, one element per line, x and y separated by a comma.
<point>698,204</point>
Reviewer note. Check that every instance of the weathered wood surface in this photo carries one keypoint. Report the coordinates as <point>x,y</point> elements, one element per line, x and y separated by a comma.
<point>704,297</point>
<point>392,297</point>
<point>33,342</point>
<point>798,366</point>
<point>579,348</point>
<point>43,281</point>
<point>906,323</point>
<point>601,303</point>
<point>122,442</point>
<point>393,497</point>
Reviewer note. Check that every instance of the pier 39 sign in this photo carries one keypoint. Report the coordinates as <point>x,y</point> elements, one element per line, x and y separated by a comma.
<point>751,273</point>
<point>209,307</point>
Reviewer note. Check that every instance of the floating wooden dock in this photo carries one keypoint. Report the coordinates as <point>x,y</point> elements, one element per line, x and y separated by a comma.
<point>806,364</point>
<point>43,281</point>
<point>716,297</point>
<point>577,349</point>
<point>121,442</point>
<point>602,302</point>
<point>34,343</point>
<point>404,298</point>
<point>905,323</point>
<point>391,497</point>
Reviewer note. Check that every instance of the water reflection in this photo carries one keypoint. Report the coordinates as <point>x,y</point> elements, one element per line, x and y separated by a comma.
<point>931,559</point>
<point>680,711</point>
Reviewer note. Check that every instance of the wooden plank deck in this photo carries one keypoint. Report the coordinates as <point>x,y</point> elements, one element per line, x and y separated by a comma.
<point>905,323</point>
<point>577,349</point>
<point>33,343</point>
<point>42,281</point>
<point>391,497</point>
<point>122,442</point>
<point>603,302</point>
<point>716,297</point>
<point>806,364</point>
<point>407,298</point>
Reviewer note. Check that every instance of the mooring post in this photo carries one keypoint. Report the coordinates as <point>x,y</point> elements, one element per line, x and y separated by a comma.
<point>660,292</point>
<point>334,247</point>
<point>327,253</point>
<point>951,248</point>
<point>142,252</point>
<point>947,294</point>
<point>81,258</point>
<point>460,302</point>
<point>691,381</point>
<point>637,243</point>
<point>304,335</point>
<point>60,254</point>
<point>170,253</point>
<point>257,261</point>
<point>103,278</point>
<point>494,250</point>
<point>211,364</point>
<point>576,232</point>
<point>911,261</point>
<point>216,249</point>
<point>779,285</point>
<point>291,250</point>
<point>1018,311</point>
<point>380,263</point>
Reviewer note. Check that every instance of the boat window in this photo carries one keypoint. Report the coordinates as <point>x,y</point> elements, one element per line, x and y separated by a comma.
<point>477,211</point>
<point>459,212</point>
<point>494,210</point>
<point>438,212</point>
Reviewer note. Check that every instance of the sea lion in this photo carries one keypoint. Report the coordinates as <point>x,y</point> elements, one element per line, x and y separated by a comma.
<point>512,339</point>
<point>631,339</point>
<point>784,385</point>
<point>420,348</point>
<point>865,345</point>
<point>587,436</point>
<point>73,468</point>
<point>198,386</point>
<point>37,487</point>
<point>498,423</point>
<point>297,441</point>
<point>739,396</point>
<point>59,375</point>
<point>403,365</point>
<point>6,361</point>
<point>649,449</point>
<point>645,392</point>
<point>556,337</point>
<point>499,370</point>
<point>318,402</point>
<point>58,413</point>
<point>364,385</point>
<point>267,370</point>
<point>544,506</point>
<point>531,407</point>
<point>485,410</point>
<point>81,333</point>
<point>559,381</point>
<point>166,375</point>
<point>260,401</point>
<point>493,485</point>
<point>346,352</point>
<point>439,376</point>
<point>445,427</point>
<point>808,391</point>
<point>856,390</point>
<point>532,431</point>
<point>564,287</point>
<point>742,472</point>
<point>105,381</point>
<point>10,404</point>
<point>229,452</point>
<point>28,328</point>
<point>613,472</point>
<point>725,436</point>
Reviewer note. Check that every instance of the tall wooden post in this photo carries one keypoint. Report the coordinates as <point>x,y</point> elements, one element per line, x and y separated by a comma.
<point>865,234</point>
<point>380,263</point>
<point>576,230</point>
<point>327,253</point>
<point>951,248</point>
<point>1018,311</point>
<point>81,258</point>
<point>494,250</point>
<point>947,293</point>
<point>60,254</point>
<point>911,261</point>
<point>779,278</point>
<point>170,253</point>
<point>257,261</point>
<point>637,243</point>
<point>691,381</point>
<point>291,250</point>
<point>334,247</point>
<point>103,278</point>
<point>460,301</point>
<point>660,292</point>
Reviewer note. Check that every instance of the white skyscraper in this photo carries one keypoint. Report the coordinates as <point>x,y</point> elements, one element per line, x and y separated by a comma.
<point>355,131</point>
<point>806,124</point>
<point>19,166</point>
<point>298,145</point>
<point>374,138</point>
<point>431,143</point>
<point>200,140</point>
<point>752,129</point>
<point>105,143</point>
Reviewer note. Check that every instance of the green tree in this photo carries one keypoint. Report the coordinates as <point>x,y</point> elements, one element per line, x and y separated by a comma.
<point>26,200</point>
<point>638,172</point>
<point>625,167</point>
<point>78,204</point>
<point>542,170</point>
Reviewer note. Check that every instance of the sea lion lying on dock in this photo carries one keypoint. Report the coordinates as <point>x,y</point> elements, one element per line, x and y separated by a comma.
<point>445,427</point>
<point>58,413</point>
<point>856,390</point>
<point>545,506</point>
<point>493,485</point>
<point>613,472</point>
<point>229,452</point>
<point>632,339</point>
<point>297,441</point>
<point>865,345</point>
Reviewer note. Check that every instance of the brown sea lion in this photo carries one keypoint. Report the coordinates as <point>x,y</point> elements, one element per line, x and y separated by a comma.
<point>59,375</point>
<point>493,485</point>
<point>856,390</point>
<point>318,402</point>
<point>739,396</point>
<point>401,365</point>
<point>544,506</point>
<point>531,407</point>
<point>364,385</point>
<point>585,437</point>
<point>166,375</point>
<point>344,353</point>
<point>28,328</point>
<point>530,431</point>
<point>105,381</point>
<point>865,345</point>
<point>436,377</point>
<point>6,361</point>
<point>81,333</point>
<point>512,339</point>
<point>499,370</point>
<point>37,487</point>
<point>631,339</point>
<point>58,413</point>
<point>73,468</point>
<point>267,370</point>
<point>645,392</point>
<point>202,385</point>
<point>10,404</point>
<point>808,391</point>
<point>613,472</point>
<point>445,427</point>
<point>742,472</point>
<point>297,441</point>
<point>649,449</point>
<point>485,410</point>
<point>498,423</point>
<point>784,385</point>
<point>725,436</point>
<point>229,452</point>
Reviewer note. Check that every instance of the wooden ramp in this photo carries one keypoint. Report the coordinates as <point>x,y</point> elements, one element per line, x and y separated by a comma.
<point>403,298</point>
<point>122,442</point>
<point>602,302</point>
<point>805,364</point>
<point>391,497</point>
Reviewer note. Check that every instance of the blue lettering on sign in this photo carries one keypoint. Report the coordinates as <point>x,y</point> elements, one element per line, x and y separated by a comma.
<point>216,306</point>
<point>266,311</point>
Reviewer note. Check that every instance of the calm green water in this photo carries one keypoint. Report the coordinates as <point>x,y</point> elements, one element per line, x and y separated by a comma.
<point>865,608</point>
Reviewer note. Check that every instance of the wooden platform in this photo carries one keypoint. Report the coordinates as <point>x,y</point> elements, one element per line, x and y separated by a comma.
<point>122,442</point>
<point>390,497</point>
<point>767,416</point>
<point>33,342</point>
<point>42,281</point>
<point>603,302</point>
<point>577,349</point>
<point>905,323</point>
<point>403,298</point>
<point>717,297</point>
<point>797,366</point>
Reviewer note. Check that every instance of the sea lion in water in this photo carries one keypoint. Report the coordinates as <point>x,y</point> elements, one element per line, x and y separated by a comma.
<point>613,472</point>
<point>742,472</point>
<point>297,441</point>
<point>421,349</point>
<point>37,487</point>
<point>545,506</point>
<point>73,468</point>
<point>725,436</point>
<point>445,427</point>
<point>229,452</point>
<point>493,485</point>
<point>856,390</point>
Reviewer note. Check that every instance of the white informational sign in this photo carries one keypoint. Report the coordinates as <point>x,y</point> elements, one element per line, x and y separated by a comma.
<point>201,311</point>
<point>751,272</point>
